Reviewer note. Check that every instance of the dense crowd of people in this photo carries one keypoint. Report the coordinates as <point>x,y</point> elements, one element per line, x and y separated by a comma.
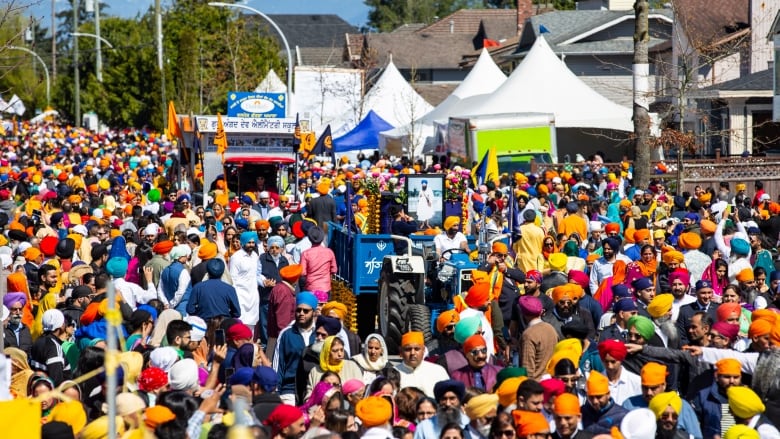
<point>612,311</point>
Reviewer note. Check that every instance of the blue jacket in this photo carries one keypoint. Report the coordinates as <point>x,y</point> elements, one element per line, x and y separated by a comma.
<point>213,298</point>
<point>602,421</point>
<point>291,346</point>
<point>169,281</point>
<point>687,420</point>
<point>707,405</point>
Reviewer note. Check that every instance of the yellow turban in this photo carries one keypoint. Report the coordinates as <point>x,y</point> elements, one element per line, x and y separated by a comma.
<point>741,431</point>
<point>744,402</point>
<point>741,187</point>
<point>132,363</point>
<point>570,349</point>
<point>662,400</point>
<point>451,222</point>
<point>673,256</point>
<point>374,411</point>
<point>507,391</point>
<point>335,309</point>
<point>71,413</point>
<point>597,384</point>
<point>481,405</point>
<point>98,429</point>
<point>558,261</point>
<point>660,305</point>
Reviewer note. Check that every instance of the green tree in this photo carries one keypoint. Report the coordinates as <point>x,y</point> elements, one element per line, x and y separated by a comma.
<point>386,15</point>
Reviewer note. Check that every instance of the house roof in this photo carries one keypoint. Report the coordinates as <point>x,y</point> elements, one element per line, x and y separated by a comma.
<point>320,56</point>
<point>498,23</point>
<point>434,93</point>
<point>311,30</point>
<point>420,50</point>
<point>706,22</point>
<point>759,84</point>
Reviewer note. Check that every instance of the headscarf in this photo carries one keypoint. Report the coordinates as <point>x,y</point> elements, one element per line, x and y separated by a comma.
<point>368,365</point>
<point>20,379</point>
<point>161,326</point>
<point>317,393</point>
<point>325,357</point>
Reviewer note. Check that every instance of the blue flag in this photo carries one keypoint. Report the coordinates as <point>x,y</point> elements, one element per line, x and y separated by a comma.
<point>487,168</point>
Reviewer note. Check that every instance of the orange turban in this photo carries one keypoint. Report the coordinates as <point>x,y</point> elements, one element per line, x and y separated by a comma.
<point>746,275</point>
<point>413,337</point>
<point>625,203</point>
<point>690,241</point>
<point>653,374</point>
<point>593,257</point>
<point>507,391</point>
<point>612,228</point>
<point>597,384</point>
<point>32,254</point>
<point>158,414</point>
<point>479,276</point>
<point>473,342</point>
<point>163,247</point>
<point>338,308</point>
<point>641,235</point>
<point>374,411</point>
<point>705,197</point>
<point>759,328</point>
<point>499,247</point>
<point>707,227</point>
<point>291,273</point>
<point>449,317</point>
<point>563,292</point>
<point>628,236</point>
<point>728,366</point>
<point>528,423</point>
<point>478,295</point>
<point>725,310</point>
<point>566,404</point>
<point>208,250</point>
<point>673,256</point>
<point>262,223</point>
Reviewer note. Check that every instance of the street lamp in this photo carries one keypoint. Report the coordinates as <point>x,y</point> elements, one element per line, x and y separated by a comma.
<point>45,69</point>
<point>99,60</point>
<point>284,40</point>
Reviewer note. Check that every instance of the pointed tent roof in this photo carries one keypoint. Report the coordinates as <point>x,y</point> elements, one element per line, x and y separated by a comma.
<point>543,84</point>
<point>271,84</point>
<point>484,78</point>
<point>364,136</point>
<point>391,98</point>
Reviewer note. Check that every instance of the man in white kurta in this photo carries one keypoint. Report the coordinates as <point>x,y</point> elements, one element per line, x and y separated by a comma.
<point>414,370</point>
<point>243,271</point>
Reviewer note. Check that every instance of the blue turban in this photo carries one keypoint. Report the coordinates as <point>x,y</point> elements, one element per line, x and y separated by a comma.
<point>276,240</point>
<point>246,199</point>
<point>332,325</point>
<point>740,246</point>
<point>693,217</point>
<point>306,298</point>
<point>642,283</point>
<point>150,309</point>
<point>424,182</point>
<point>624,304</point>
<point>242,222</point>
<point>775,275</point>
<point>249,236</point>
<point>621,291</point>
<point>612,243</point>
<point>117,267</point>
<point>215,268</point>
<point>119,249</point>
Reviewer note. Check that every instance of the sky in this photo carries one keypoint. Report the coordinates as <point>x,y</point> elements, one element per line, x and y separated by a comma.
<point>354,12</point>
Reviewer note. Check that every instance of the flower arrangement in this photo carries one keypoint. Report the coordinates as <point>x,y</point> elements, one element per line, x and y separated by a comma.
<point>385,183</point>
<point>456,184</point>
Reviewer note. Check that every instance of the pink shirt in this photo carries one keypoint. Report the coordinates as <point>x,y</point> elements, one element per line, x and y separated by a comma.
<point>318,264</point>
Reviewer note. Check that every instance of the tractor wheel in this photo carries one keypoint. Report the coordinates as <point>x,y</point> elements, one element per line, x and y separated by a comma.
<point>366,314</point>
<point>391,312</point>
<point>418,318</point>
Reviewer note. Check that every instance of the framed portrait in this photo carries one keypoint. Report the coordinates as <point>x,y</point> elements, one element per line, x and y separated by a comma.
<point>425,199</point>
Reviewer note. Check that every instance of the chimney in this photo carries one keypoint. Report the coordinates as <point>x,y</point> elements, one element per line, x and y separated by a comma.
<point>524,12</point>
<point>452,26</point>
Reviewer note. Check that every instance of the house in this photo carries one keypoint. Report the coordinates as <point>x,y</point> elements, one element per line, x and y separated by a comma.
<point>314,39</point>
<point>733,109</point>
<point>598,46</point>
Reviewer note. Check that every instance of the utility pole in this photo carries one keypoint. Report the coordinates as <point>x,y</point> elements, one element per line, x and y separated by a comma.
<point>54,40</point>
<point>641,69</point>
<point>76,79</point>
<point>99,55</point>
<point>160,65</point>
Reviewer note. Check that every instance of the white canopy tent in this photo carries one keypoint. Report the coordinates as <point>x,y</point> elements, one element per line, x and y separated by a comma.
<point>392,98</point>
<point>484,78</point>
<point>543,84</point>
<point>271,84</point>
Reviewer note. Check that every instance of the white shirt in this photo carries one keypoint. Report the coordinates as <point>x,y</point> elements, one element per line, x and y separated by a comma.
<point>627,385</point>
<point>133,294</point>
<point>486,328</point>
<point>444,243</point>
<point>184,282</point>
<point>424,377</point>
<point>678,303</point>
<point>243,271</point>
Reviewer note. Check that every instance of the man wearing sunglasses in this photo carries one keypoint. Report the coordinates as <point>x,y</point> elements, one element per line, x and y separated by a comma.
<point>477,373</point>
<point>291,343</point>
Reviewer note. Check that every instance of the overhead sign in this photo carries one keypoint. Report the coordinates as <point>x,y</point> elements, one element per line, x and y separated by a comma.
<point>251,104</point>
<point>208,124</point>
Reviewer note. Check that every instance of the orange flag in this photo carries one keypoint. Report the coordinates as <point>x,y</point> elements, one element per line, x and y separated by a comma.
<point>173,131</point>
<point>220,140</point>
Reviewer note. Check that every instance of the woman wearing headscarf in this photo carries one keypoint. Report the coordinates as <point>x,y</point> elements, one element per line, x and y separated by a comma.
<point>373,359</point>
<point>20,372</point>
<point>645,266</point>
<point>718,275</point>
<point>332,360</point>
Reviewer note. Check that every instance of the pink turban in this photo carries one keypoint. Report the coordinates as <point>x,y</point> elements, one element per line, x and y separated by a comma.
<point>682,274</point>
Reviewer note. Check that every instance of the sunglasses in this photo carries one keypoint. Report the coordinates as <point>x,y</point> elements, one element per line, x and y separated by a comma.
<point>504,433</point>
<point>303,310</point>
<point>478,351</point>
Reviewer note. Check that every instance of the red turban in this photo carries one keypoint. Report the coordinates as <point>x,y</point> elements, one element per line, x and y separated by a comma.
<point>615,348</point>
<point>152,378</point>
<point>282,417</point>
<point>478,295</point>
<point>682,274</point>
<point>163,247</point>
<point>552,387</point>
<point>612,228</point>
<point>48,245</point>
<point>728,330</point>
<point>239,331</point>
